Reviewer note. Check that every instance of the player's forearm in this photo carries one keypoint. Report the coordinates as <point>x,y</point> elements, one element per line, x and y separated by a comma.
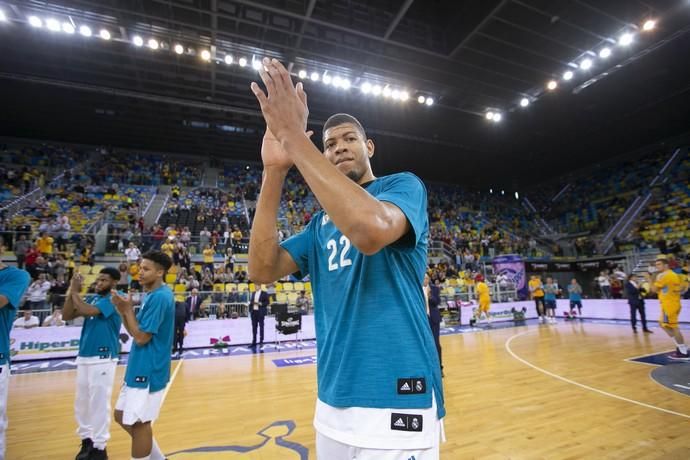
<point>358,215</point>
<point>68,307</point>
<point>129,320</point>
<point>263,241</point>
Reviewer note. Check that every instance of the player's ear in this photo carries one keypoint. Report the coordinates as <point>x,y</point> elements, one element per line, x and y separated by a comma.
<point>370,148</point>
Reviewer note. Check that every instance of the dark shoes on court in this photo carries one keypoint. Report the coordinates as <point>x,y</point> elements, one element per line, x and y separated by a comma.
<point>678,356</point>
<point>98,454</point>
<point>86,446</point>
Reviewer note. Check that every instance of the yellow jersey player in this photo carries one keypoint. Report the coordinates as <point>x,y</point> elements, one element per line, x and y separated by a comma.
<point>668,285</point>
<point>536,288</point>
<point>484,298</point>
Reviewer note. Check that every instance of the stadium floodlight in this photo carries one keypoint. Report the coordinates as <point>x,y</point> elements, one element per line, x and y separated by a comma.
<point>153,44</point>
<point>421,99</point>
<point>314,76</point>
<point>3,18</point>
<point>53,25</point>
<point>326,79</point>
<point>517,196</point>
<point>429,101</point>
<point>206,55</point>
<point>605,52</point>
<point>365,88</point>
<point>625,39</point>
<point>395,94</point>
<point>337,82</point>
<point>376,90</point>
<point>497,117</point>
<point>85,31</point>
<point>490,115</point>
<point>138,41</point>
<point>35,21</point>
<point>551,85</point>
<point>302,74</point>
<point>243,62</point>
<point>104,34</point>
<point>568,75</point>
<point>386,91</point>
<point>404,95</point>
<point>648,25</point>
<point>228,59</point>
<point>345,84</point>
<point>67,28</point>
<point>586,64</point>
<point>179,49</point>
<point>256,64</point>
<point>524,102</point>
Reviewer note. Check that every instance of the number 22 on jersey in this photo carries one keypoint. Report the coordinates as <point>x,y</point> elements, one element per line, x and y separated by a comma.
<point>332,246</point>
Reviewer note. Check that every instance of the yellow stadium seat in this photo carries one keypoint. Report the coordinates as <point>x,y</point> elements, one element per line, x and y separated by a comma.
<point>230,287</point>
<point>307,286</point>
<point>292,298</point>
<point>252,287</point>
<point>242,287</point>
<point>84,269</point>
<point>288,287</point>
<point>180,287</point>
<point>299,286</point>
<point>170,278</point>
<point>218,287</point>
<point>279,287</point>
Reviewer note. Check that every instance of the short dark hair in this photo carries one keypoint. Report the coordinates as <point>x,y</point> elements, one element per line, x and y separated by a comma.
<point>160,258</point>
<point>342,118</point>
<point>112,272</point>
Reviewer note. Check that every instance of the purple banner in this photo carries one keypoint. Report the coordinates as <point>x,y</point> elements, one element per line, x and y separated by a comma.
<point>513,267</point>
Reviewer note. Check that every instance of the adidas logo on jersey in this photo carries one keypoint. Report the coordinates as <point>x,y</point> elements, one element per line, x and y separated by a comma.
<point>411,386</point>
<point>406,422</point>
<point>405,387</point>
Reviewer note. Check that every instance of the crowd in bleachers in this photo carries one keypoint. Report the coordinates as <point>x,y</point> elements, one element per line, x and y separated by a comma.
<point>594,199</point>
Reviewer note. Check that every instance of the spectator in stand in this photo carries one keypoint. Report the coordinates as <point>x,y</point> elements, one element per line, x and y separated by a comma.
<point>55,319</point>
<point>168,246</point>
<point>37,294</point>
<point>303,302</point>
<point>204,238</point>
<point>58,289</point>
<point>21,246</point>
<point>616,288</point>
<point>27,321</point>
<point>209,253</point>
<point>236,238</point>
<point>132,253</point>
<point>604,285</point>
<point>229,259</point>
<point>207,280</point>
<point>134,276</point>
<point>63,233</point>
<point>45,244</point>
<point>123,281</point>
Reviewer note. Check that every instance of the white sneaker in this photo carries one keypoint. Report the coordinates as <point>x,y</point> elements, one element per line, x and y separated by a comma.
<point>553,321</point>
<point>541,319</point>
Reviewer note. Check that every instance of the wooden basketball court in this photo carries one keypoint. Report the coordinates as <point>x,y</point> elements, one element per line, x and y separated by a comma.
<point>563,392</point>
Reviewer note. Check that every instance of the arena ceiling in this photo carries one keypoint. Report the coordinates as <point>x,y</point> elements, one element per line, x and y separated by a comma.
<point>469,56</point>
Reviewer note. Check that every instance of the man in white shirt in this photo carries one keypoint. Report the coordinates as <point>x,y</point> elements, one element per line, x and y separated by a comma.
<point>55,319</point>
<point>28,321</point>
<point>132,253</point>
<point>604,285</point>
<point>37,294</point>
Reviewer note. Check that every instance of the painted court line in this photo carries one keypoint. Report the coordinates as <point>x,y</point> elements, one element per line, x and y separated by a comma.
<point>172,379</point>
<point>586,387</point>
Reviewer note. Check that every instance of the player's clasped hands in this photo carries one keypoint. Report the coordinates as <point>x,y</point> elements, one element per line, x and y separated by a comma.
<point>284,105</point>
<point>123,304</point>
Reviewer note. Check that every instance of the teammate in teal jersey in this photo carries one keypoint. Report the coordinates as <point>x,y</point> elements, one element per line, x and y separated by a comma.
<point>148,366</point>
<point>99,349</point>
<point>379,381</point>
<point>13,285</point>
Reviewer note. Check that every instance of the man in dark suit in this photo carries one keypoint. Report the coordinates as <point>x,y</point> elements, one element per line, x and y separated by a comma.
<point>258,307</point>
<point>181,318</point>
<point>636,301</point>
<point>193,303</point>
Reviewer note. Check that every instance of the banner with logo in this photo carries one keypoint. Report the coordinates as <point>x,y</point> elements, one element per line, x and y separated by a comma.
<point>63,342</point>
<point>513,267</point>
